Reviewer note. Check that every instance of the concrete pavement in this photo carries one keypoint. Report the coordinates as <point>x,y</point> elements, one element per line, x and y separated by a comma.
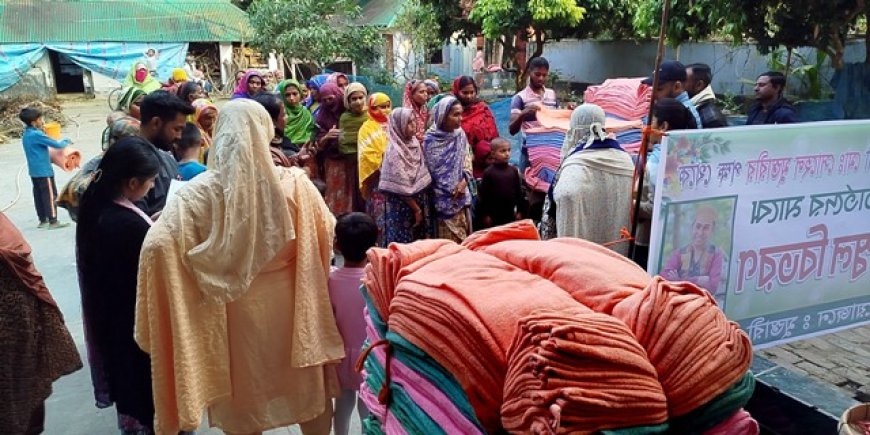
<point>70,410</point>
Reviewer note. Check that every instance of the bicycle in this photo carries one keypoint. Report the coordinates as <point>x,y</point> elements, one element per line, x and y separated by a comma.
<point>114,98</point>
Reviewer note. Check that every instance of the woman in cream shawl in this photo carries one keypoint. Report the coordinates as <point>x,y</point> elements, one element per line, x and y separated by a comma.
<point>233,303</point>
<point>592,190</point>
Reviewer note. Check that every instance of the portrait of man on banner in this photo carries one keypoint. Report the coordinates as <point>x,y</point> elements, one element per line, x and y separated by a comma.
<point>700,245</point>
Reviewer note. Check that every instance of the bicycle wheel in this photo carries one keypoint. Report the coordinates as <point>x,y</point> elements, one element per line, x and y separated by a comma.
<point>114,98</point>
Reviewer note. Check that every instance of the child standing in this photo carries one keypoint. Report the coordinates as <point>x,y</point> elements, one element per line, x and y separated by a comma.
<point>500,197</point>
<point>187,152</point>
<point>36,144</point>
<point>355,233</point>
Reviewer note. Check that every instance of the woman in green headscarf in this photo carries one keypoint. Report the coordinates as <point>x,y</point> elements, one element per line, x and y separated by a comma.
<point>131,98</point>
<point>140,78</point>
<point>300,123</point>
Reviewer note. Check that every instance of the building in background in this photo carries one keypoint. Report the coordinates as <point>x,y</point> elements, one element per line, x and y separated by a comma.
<point>88,46</point>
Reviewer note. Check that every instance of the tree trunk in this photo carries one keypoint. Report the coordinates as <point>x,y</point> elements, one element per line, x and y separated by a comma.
<point>523,75</point>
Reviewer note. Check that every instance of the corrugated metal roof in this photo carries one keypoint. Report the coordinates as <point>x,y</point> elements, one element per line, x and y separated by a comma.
<point>380,13</point>
<point>121,21</point>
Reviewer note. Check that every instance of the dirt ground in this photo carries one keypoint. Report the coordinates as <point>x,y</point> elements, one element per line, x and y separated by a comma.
<point>841,359</point>
<point>70,409</point>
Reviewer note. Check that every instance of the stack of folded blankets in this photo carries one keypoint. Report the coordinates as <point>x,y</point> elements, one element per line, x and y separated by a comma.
<point>509,333</point>
<point>623,100</point>
<point>544,145</point>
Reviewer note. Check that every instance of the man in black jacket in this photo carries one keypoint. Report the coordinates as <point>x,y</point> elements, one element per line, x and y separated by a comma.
<point>163,118</point>
<point>698,79</point>
<point>771,107</point>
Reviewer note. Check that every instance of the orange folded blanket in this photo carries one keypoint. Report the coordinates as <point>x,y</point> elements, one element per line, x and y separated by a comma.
<point>386,266</point>
<point>554,118</point>
<point>576,371</point>
<point>593,275</point>
<point>697,352</point>
<point>462,309</point>
<point>66,158</point>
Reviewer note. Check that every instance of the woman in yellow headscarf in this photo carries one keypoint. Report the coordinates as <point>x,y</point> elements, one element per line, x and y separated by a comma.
<point>204,117</point>
<point>372,145</point>
<point>178,78</point>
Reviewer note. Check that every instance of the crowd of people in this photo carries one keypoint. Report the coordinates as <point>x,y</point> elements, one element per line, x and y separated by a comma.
<point>224,298</point>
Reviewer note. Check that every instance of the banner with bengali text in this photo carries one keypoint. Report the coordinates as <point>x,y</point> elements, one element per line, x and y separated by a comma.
<point>773,220</point>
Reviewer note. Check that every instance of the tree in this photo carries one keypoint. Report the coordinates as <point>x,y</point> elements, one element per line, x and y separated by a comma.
<point>315,31</point>
<point>419,28</point>
<point>823,24</point>
<point>509,22</point>
<point>537,20</point>
<point>796,23</point>
<point>691,20</point>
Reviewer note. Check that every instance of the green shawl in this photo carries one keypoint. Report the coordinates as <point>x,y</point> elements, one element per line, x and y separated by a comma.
<point>149,85</point>
<point>350,125</point>
<point>300,123</point>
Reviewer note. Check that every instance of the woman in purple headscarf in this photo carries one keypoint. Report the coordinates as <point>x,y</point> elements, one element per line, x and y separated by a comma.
<point>251,84</point>
<point>449,163</point>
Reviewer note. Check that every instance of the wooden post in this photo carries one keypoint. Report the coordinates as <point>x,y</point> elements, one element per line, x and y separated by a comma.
<point>640,168</point>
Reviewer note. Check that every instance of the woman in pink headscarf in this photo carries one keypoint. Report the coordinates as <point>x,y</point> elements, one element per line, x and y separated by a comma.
<point>415,98</point>
<point>251,84</point>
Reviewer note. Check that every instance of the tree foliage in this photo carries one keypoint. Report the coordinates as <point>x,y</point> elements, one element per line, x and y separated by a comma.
<point>315,31</point>
<point>418,25</point>
<point>538,19</point>
<point>823,24</point>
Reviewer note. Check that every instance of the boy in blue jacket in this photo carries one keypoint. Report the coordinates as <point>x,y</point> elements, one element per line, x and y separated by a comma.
<point>36,144</point>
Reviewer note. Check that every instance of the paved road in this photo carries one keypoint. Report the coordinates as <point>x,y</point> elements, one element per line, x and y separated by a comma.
<point>70,410</point>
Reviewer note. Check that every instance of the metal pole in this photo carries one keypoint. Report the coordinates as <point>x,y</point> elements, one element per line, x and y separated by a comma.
<point>640,168</point>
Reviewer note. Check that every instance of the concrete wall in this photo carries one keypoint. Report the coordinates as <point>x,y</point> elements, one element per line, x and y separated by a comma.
<point>588,61</point>
<point>102,84</point>
<point>456,56</point>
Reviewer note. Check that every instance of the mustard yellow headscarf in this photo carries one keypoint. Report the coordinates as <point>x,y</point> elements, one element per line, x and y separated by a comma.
<point>372,139</point>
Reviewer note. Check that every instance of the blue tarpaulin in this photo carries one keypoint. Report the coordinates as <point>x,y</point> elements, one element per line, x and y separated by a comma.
<point>112,59</point>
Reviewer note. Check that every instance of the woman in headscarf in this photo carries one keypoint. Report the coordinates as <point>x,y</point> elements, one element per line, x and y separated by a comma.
<point>131,99</point>
<point>415,98</point>
<point>204,116</point>
<point>404,182</point>
<point>190,92</point>
<point>312,103</point>
<point>342,175</point>
<point>70,196</point>
<point>140,78</point>
<point>446,151</point>
<point>435,94</point>
<point>36,346</point>
<point>339,79</point>
<point>250,85</point>
<point>372,144</point>
<point>109,237</point>
<point>299,129</point>
<point>592,191</point>
<point>127,109</point>
<point>328,115</point>
<point>233,305</point>
<point>478,123</point>
<point>178,78</point>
